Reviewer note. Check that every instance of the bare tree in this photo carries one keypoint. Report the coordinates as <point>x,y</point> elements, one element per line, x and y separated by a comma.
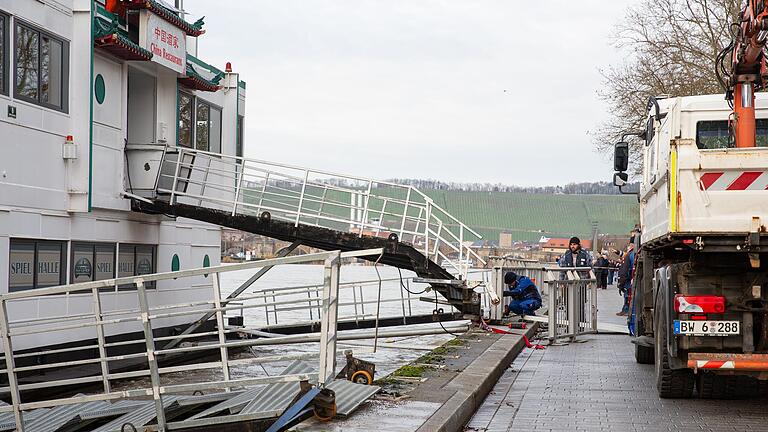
<point>670,47</point>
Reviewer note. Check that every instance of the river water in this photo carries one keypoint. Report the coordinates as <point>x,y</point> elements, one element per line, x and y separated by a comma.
<point>392,352</point>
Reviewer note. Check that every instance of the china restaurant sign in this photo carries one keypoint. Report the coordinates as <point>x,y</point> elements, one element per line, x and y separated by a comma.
<point>167,42</point>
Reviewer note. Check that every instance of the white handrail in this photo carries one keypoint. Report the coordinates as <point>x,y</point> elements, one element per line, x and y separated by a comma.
<point>300,195</point>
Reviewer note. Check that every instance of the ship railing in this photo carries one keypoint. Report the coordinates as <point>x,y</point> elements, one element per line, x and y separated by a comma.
<point>149,318</point>
<point>304,196</point>
<point>570,295</point>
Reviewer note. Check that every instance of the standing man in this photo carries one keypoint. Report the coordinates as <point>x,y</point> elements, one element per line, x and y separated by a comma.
<point>625,277</point>
<point>575,256</point>
<point>525,295</point>
<point>601,271</point>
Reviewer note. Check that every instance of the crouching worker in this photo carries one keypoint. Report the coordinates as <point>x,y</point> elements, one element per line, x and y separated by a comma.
<point>525,296</point>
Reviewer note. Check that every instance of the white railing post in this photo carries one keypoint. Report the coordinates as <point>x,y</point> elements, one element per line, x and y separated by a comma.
<point>220,326</point>
<point>301,197</point>
<point>426,227</point>
<point>365,208</point>
<point>405,212</point>
<point>101,339</point>
<point>176,175</point>
<point>10,366</point>
<point>154,372</point>
<point>263,191</point>
<point>237,189</point>
<point>327,369</point>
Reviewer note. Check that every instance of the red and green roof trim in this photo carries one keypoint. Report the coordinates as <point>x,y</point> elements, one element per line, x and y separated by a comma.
<point>109,35</point>
<point>191,29</point>
<point>201,76</point>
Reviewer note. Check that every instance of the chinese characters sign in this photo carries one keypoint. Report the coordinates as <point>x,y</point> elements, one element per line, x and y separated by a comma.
<point>167,42</point>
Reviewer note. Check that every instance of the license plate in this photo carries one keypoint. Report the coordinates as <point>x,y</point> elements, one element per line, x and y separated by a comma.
<point>706,328</point>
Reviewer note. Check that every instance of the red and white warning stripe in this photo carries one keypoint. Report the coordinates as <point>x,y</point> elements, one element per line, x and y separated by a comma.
<point>734,180</point>
<point>715,364</point>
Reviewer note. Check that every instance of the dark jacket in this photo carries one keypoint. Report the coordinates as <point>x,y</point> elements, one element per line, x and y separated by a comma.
<point>582,259</point>
<point>625,271</point>
<point>524,290</point>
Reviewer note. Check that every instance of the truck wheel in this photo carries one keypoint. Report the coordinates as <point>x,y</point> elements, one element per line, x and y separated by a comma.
<point>644,354</point>
<point>670,383</point>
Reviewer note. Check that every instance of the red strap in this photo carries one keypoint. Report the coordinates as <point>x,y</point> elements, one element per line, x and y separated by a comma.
<point>530,345</point>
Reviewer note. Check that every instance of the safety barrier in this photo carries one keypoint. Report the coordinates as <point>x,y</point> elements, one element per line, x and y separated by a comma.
<point>570,297</point>
<point>147,318</point>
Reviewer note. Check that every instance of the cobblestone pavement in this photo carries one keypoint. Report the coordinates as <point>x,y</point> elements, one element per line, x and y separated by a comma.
<point>597,386</point>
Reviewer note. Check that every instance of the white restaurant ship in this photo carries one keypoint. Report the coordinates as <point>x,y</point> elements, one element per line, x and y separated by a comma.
<point>81,83</point>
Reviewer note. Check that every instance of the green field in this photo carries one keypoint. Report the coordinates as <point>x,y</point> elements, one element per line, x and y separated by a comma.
<point>529,216</point>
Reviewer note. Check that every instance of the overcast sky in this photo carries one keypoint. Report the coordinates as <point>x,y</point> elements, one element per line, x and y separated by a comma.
<point>462,90</point>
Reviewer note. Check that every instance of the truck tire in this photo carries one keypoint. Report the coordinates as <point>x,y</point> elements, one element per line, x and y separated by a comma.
<point>670,383</point>
<point>644,354</point>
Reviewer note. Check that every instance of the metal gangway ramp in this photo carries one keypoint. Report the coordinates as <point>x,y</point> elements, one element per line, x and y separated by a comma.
<point>319,209</point>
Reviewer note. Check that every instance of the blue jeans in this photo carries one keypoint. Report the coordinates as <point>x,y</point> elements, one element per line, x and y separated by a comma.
<point>625,307</point>
<point>524,307</point>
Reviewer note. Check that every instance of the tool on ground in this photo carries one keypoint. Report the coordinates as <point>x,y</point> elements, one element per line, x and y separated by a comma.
<point>356,370</point>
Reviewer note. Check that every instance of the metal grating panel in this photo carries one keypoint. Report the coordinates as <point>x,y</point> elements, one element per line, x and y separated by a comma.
<point>8,421</point>
<point>205,399</point>
<point>234,404</point>
<point>138,417</point>
<point>349,396</point>
<point>61,415</point>
<point>277,396</point>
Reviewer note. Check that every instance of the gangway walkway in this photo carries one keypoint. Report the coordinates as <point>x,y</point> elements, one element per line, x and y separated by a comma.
<point>319,209</point>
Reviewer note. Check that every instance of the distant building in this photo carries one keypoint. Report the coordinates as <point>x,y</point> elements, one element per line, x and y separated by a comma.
<point>505,240</point>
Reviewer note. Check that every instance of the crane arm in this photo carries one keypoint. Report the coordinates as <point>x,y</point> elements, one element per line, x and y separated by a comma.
<point>747,72</point>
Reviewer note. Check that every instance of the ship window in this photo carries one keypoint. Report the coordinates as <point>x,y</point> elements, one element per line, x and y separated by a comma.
<point>3,53</point>
<point>185,119</point>
<point>714,134</point>
<point>206,133</point>
<point>239,145</point>
<point>207,127</point>
<point>92,261</point>
<point>36,264</point>
<point>41,65</point>
<point>136,260</point>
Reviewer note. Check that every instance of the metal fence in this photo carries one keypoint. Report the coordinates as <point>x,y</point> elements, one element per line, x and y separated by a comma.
<point>147,319</point>
<point>319,198</point>
<point>569,295</point>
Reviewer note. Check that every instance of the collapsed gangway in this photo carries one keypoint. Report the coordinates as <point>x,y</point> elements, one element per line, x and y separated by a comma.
<point>315,208</point>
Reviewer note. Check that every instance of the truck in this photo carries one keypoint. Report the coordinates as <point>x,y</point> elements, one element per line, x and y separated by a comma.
<point>700,283</point>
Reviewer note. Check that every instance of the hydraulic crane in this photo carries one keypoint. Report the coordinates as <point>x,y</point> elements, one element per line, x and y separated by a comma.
<point>747,71</point>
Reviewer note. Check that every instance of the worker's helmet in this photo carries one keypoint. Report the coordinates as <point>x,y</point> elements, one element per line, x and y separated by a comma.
<point>510,277</point>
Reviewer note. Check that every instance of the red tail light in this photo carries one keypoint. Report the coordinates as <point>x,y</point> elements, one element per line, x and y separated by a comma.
<point>699,304</point>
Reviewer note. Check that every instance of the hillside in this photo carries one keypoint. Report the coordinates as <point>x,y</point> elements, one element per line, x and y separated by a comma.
<point>529,216</point>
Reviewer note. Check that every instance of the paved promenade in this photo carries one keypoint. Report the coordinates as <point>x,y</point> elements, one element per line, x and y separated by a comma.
<point>597,386</point>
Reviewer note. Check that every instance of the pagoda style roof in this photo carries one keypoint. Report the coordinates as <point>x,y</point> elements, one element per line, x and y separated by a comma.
<point>156,7</point>
<point>201,76</point>
<point>110,36</point>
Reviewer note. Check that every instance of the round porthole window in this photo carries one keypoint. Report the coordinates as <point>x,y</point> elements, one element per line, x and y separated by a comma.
<point>100,89</point>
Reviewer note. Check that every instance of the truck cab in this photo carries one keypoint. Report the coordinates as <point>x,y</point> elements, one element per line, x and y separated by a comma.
<point>699,300</point>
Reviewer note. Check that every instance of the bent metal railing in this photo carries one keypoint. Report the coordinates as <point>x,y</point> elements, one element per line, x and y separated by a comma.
<point>319,198</point>
<point>146,318</point>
